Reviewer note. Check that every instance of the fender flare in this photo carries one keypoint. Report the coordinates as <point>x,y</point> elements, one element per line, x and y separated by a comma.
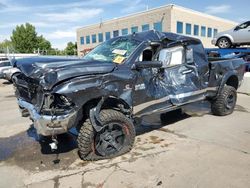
<point>94,112</point>
<point>225,79</point>
<point>227,36</point>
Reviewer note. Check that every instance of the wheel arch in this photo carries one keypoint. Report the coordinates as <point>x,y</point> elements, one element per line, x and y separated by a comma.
<point>230,79</point>
<point>225,36</point>
<point>111,102</point>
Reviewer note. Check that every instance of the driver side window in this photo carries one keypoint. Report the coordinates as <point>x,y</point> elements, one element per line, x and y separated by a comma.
<point>244,25</point>
<point>171,56</point>
<point>146,55</point>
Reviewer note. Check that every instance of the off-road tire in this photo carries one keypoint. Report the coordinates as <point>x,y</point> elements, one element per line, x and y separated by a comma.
<point>224,42</point>
<point>219,105</point>
<point>87,135</point>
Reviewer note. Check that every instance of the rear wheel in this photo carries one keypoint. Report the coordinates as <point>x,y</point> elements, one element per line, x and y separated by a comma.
<point>115,138</point>
<point>224,43</point>
<point>224,104</point>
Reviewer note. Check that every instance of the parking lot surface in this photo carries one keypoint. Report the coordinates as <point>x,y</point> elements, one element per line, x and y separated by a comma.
<point>194,149</point>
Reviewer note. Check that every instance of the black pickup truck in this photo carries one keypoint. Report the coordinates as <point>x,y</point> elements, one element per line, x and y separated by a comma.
<point>123,79</point>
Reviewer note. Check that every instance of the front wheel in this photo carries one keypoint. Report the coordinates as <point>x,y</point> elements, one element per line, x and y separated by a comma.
<point>115,138</point>
<point>225,102</point>
<point>224,43</point>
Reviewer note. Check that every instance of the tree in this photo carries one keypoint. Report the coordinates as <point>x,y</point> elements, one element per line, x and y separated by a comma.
<point>25,39</point>
<point>71,48</point>
<point>6,44</point>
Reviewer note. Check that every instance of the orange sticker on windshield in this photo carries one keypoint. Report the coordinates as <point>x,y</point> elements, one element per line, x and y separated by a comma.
<point>119,59</point>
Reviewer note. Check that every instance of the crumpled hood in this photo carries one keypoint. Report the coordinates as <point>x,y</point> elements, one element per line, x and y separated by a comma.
<point>50,71</point>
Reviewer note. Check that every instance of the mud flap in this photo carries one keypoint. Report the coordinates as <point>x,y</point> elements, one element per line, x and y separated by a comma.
<point>94,116</point>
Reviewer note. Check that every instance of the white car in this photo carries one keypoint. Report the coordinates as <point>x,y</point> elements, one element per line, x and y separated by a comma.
<point>5,64</point>
<point>240,35</point>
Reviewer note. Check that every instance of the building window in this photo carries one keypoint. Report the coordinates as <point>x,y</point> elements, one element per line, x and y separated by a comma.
<point>145,27</point>
<point>179,27</point>
<point>124,31</point>
<point>88,39</point>
<point>82,40</point>
<point>116,33</point>
<point>209,32</point>
<point>158,26</point>
<point>93,38</point>
<point>107,35</point>
<point>100,37</point>
<point>215,32</point>
<point>134,29</point>
<point>196,30</point>
<point>203,31</point>
<point>188,29</point>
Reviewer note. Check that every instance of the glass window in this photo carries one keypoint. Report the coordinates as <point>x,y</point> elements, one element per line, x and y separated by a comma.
<point>107,35</point>
<point>196,30</point>
<point>124,31</point>
<point>134,29</point>
<point>3,64</point>
<point>110,51</point>
<point>100,37</point>
<point>203,31</point>
<point>215,32</point>
<point>158,26</point>
<point>209,32</point>
<point>88,39</point>
<point>145,27</point>
<point>116,33</point>
<point>93,38</point>
<point>82,40</point>
<point>244,25</point>
<point>179,27</point>
<point>188,29</point>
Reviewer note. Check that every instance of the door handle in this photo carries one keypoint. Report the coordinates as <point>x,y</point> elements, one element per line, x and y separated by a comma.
<point>187,71</point>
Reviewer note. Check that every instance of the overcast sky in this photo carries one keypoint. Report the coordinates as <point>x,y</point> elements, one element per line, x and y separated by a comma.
<point>57,20</point>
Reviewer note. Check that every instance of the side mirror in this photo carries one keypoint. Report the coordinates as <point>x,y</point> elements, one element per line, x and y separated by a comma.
<point>146,64</point>
<point>155,43</point>
<point>189,56</point>
<point>236,28</point>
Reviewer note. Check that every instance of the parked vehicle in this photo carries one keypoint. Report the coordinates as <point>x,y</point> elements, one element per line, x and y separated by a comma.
<point>123,79</point>
<point>4,65</point>
<point>240,35</point>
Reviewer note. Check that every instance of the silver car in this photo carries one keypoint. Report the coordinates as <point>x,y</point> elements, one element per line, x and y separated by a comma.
<point>240,35</point>
<point>5,64</point>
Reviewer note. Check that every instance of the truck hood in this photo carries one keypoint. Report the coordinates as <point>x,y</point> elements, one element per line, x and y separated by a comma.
<point>51,71</point>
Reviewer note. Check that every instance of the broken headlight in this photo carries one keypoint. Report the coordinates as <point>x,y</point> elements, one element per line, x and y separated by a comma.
<point>56,104</point>
<point>49,79</point>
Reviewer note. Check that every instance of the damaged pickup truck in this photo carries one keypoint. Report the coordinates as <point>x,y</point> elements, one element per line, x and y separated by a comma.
<point>123,79</point>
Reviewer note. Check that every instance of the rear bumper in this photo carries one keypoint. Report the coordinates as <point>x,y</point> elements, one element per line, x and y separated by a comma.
<point>48,125</point>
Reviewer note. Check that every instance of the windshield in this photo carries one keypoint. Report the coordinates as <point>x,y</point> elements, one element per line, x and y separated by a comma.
<point>116,50</point>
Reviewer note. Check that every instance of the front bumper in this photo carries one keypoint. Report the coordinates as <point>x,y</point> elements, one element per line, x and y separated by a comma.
<point>47,125</point>
<point>214,41</point>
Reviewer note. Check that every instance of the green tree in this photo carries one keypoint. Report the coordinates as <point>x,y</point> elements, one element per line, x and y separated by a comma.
<point>25,39</point>
<point>43,44</point>
<point>6,44</point>
<point>71,48</point>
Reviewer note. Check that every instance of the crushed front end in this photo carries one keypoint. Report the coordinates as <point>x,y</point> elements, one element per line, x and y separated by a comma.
<point>52,114</point>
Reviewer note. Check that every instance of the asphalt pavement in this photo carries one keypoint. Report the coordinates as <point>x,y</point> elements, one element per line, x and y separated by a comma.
<point>192,149</point>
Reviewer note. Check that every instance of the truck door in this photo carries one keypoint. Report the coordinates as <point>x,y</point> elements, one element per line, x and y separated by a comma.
<point>180,75</point>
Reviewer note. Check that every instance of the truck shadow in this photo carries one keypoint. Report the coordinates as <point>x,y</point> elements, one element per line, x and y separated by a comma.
<point>66,142</point>
<point>160,121</point>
